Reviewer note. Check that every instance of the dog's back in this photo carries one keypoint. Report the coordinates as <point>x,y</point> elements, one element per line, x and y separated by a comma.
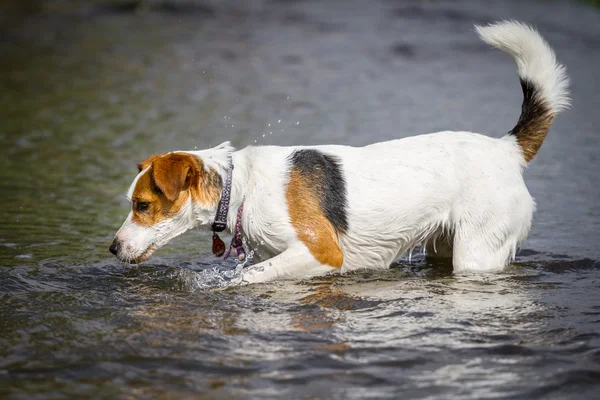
<point>463,190</point>
<point>313,210</point>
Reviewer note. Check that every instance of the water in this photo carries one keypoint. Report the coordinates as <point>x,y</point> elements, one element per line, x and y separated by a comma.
<point>87,90</point>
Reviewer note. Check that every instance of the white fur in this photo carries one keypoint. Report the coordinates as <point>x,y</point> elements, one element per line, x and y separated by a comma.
<point>460,194</point>
<point>134,183</point>
<point>535,59</point>
<point>137,240</point>
<point>218,158</point>
<point>400,193</point>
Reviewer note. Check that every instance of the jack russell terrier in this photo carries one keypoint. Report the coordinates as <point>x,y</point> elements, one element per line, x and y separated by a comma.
<point>318,209</point>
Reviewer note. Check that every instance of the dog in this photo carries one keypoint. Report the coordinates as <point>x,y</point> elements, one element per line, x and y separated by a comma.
<point>313,210</point>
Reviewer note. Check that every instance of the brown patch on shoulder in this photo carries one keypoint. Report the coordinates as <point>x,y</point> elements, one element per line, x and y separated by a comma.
<point>166,187</point>
<point>311,225</point>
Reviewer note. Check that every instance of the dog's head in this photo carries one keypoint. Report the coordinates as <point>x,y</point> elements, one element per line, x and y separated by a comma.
<point>172,193</point>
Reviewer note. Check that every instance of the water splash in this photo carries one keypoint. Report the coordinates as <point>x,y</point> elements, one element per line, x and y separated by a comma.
<point>189,280</point>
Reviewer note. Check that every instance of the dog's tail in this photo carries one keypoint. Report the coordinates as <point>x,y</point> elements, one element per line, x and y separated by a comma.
<point>544,81</point>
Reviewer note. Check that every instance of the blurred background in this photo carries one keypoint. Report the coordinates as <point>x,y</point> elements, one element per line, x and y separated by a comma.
<point>90,88</point>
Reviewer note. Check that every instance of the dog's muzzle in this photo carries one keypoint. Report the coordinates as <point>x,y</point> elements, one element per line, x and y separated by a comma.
<point>115,247</point>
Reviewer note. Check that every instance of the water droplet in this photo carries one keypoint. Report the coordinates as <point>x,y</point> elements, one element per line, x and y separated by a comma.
<point>279,121</point>
<point>263,135</point>
<point>297,122</point>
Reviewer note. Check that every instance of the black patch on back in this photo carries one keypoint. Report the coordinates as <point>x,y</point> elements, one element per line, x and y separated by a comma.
<point>532,109</point>
<point>329,183</point>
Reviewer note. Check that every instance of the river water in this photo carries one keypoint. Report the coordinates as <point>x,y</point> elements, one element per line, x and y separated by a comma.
<point>89,89</point>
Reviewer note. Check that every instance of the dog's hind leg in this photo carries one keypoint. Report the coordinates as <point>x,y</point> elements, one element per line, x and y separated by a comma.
<point>487,247</point>
<point>487,238</point>
<point>295,262</point>
<point>473,254</point>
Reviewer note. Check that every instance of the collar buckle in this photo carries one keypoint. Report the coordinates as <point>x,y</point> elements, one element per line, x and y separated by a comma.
<point>218,226</point>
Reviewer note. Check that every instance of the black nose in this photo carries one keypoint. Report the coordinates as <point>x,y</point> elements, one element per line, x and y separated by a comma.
<point>114,247</point>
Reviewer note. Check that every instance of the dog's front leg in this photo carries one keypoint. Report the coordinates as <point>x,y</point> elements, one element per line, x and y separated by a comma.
<point>295,262</point>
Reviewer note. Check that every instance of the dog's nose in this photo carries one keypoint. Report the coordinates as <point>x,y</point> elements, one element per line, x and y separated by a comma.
<point>114,247</point>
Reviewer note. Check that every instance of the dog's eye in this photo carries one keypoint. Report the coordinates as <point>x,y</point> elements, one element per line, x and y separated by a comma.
<point>142,206</point>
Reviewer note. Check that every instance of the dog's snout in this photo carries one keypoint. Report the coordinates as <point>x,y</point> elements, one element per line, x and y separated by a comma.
<point>114,247</point>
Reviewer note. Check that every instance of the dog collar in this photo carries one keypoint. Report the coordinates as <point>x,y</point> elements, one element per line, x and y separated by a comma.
<point>220,223</point>
<point>221,217</point>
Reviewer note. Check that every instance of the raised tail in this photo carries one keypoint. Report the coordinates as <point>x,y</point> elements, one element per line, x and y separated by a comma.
<point>544,81</point>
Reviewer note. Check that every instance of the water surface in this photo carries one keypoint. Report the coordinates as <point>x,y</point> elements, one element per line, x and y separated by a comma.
<point>89,90</point>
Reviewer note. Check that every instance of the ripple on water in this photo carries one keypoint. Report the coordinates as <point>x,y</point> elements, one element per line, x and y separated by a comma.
<point>81,106</point>
<point>417,330</point>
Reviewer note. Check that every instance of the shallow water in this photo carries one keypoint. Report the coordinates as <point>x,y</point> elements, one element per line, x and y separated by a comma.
<point>88,90</point>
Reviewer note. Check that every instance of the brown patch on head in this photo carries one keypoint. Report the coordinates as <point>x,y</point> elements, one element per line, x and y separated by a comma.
<point>170,180</point>
<point>308,219</point>
<point>148,161</point>
<point>209,189</point>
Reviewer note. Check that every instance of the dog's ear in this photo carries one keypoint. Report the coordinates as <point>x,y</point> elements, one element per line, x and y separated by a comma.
<point>174,173</point>
<point>148,161</point>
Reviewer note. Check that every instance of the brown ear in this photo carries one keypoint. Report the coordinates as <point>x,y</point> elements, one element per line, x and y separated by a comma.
<point>146,163</point>
<point>174,173</point>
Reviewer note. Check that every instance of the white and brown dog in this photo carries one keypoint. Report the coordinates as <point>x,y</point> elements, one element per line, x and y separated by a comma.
<point>318,209</point>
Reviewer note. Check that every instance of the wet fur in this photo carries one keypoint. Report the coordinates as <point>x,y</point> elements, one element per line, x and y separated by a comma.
<point>313,210</point>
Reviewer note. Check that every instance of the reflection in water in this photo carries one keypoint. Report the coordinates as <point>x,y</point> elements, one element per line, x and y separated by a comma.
<point>416,325</point>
